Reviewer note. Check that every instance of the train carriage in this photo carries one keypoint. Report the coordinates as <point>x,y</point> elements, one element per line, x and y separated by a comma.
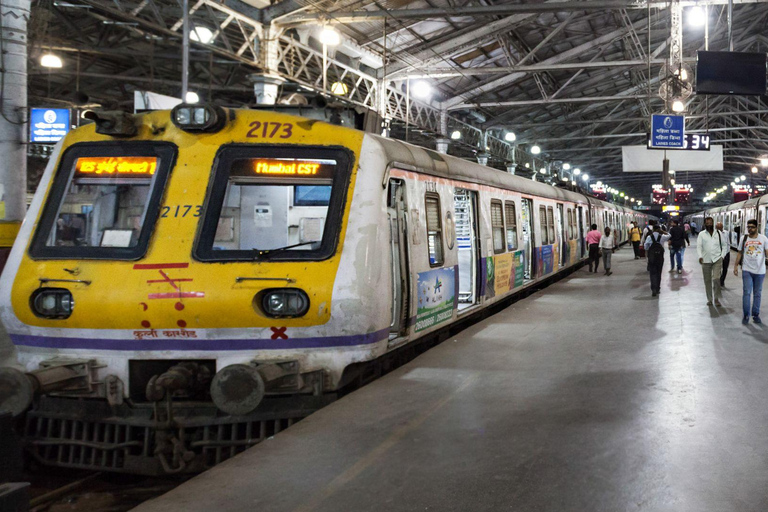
<point>176,268</point>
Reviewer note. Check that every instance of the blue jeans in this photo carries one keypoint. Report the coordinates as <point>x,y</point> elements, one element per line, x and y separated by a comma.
<point>676,254</point>
<point>753,285</point>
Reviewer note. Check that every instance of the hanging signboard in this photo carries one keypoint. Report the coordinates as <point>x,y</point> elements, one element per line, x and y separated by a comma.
<point>48,124</point>
<point>667,131</point>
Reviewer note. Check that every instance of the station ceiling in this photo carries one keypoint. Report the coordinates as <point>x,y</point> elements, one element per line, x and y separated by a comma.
<point>577,78</point>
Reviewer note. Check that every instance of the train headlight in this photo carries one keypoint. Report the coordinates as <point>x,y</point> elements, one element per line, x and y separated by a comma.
<point>52,303</point>
<point>198,118</point>
<point>285,303</point>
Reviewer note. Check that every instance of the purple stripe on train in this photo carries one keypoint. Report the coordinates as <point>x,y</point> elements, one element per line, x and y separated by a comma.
<point>199,344</point>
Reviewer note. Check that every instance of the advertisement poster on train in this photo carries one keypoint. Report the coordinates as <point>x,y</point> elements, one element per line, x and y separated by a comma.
<point>544,260</point>
<point>436,297</point>
<point>573,252</point>
<point>503,273</point>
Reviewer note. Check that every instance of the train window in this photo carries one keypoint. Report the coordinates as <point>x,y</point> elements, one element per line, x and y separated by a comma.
<point>497,226</point>
<point>511,218</point>
<point>104,201</point>
<point>551,224</point>
<point>543,225</point>
<point>434,230</point>
<point>276,203</point>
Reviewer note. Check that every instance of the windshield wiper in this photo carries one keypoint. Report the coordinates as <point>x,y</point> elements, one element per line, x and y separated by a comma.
<point>280,249</point>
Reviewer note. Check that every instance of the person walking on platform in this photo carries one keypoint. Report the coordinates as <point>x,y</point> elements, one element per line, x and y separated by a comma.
<point>694,228</point>
<point>727,257</point>
<point>654,250</point>
<point>607,246</point>
<point>647,231</point>
<point>677,240</point>
<point>751,255</point>
<point>593,242</point>
<point>634,237</point>
<point>711,247</point>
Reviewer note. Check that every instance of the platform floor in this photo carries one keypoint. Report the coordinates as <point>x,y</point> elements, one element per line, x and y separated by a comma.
<point>588,396</point>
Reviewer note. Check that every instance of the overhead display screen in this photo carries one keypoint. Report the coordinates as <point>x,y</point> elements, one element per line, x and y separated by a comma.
<point>283,168</point>
<point>115,167</point>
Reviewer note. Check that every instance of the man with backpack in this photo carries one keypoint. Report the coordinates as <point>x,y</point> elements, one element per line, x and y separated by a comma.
<point>752,250</point>
<point>712,246</point>
<point>654,250</point>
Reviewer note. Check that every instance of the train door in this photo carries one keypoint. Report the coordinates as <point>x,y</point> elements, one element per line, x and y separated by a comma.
<point>528,243</point>
<point>398,241</point>
<point>760,218</point>
<point>465,215</point>
<point>581,232</point>
<point>561,233</point>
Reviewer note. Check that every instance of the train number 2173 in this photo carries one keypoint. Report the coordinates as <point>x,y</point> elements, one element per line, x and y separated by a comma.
<point>269,130</point>
<point>181,210</point>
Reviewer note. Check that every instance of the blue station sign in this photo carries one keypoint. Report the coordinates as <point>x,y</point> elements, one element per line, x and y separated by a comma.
<point>667,131</point>
<point>48,124</point>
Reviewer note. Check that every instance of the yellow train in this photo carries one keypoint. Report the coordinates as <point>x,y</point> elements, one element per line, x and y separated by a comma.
<point>176,268</point>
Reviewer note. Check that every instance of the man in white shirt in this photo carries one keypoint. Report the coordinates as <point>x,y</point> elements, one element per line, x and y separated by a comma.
<point>711,246</point>
<point>752,250</point>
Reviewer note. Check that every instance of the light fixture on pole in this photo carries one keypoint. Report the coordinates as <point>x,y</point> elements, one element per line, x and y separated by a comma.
<point>576,171</point>
<point>754,170</point>
<point>764,162</point>
<point>456,135</point>
<point>329,37</point>
<point>191,97</point>
<point>201,35</point>
<point>566,166</point>
<point>510,137</point>
<point>535,150</point>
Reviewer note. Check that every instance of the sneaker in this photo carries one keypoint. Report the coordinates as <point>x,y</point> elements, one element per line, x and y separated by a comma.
<point>672,269</point>
<point>654,294</point>
<point>757,320</point>
<point>745,320</point>
<point>679,271</point>
<point>717,303</point>
<point>709,303</point>
<point>608,273</point>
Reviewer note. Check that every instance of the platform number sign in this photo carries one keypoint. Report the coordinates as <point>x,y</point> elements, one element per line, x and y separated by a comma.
<point>48,125</point>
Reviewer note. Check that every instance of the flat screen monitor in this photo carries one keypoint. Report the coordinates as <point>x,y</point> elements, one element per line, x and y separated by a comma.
<point>730,73</point>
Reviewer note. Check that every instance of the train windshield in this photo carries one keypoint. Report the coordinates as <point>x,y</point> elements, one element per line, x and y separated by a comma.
<point>102,200</point>
<point>274,203</point>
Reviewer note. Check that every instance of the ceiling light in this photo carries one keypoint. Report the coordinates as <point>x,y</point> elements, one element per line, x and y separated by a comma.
<point>456,135</point>
<point>329,36</point>
<point>191,97</point>
<point>421,89</point>
<point>527,165</point>
<point>639,203</point>
<point>565,178</point>
<point>754,170</point>
<point>696,16</point>
<point>576,171</point>
<point>678,106</point>
<point>50,60</point>
<point>566,166</point>
<point>632,199</point>
<point>573,182</point>
<point>535,150</point>
<point>510,136</point>
<point>201,35</point>
<point>339,88</point>
<point>743,177</point>
<point>585,177</point>
<point>764,162</point>
<point>543,170</point>
<point>621,194</point>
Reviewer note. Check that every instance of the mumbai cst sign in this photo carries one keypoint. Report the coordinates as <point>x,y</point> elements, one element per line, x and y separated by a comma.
<point>667,131</point>
<point>48,124</point>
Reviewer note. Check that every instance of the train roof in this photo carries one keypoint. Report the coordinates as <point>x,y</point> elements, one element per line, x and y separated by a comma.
<point>410,157</point>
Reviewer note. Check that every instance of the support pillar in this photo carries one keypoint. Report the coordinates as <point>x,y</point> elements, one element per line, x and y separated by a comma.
<point>266,87</point>
<point>511,167</point>
<point>442,145</point>
<point>482,158</point>
<point>14,122</point>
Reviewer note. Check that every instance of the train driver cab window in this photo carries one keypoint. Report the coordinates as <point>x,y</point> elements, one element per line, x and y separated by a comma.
<point>434,230</point>
<point>104,201</point>
<point>543,225</point>
<point>511,218</point>
<point>497,226</point>
<point>273,203</point>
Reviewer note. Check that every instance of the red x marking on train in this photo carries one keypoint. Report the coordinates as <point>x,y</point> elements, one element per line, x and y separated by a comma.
<point>161,267</point>
<point>279,333</point>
